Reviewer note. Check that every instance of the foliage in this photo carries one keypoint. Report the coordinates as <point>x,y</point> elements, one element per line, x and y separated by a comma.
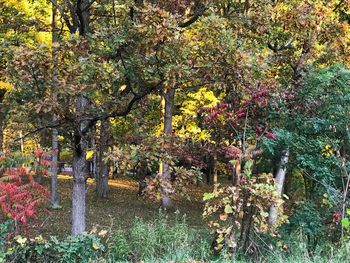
<point>21,197</point>
<point>241,211</point>
<point>72,249</point>
<point>252,78</point>
<point>308,220</point>
<point>144,158</point>
<point>5,230</point>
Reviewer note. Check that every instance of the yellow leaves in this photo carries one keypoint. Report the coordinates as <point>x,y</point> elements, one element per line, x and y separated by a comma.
<point>102,233</point>
<point>18,4</point>
<point>122,88</point>
<point>39,239</point>
<point>228,209</point>
<point>95,246</point>
<point>327,151</point>
<point>6,86</point>
<point>89,154</point>
<point>43,37</point>
<point>21,240</point>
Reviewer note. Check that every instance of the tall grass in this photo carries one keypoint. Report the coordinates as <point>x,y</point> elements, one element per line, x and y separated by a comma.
<point>159,241</point>
<point>165,241</point>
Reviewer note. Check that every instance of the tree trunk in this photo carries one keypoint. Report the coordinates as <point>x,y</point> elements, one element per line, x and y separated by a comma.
<point>80,165</point>
<point>279,182</point>
<point>1,134</point>
<point>102,176</point>
<point>168,115</point>
<point>80,170</point>
<point>237,177</point>
<point>94,156</point>
<point>209,169</point>
<point>143,173</point>
<point>21,141</point>
<point>215,171</point>
<point>53,167</point>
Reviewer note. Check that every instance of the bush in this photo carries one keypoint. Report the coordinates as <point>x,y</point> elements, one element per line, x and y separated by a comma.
<point>83,248</point>
<point>21,198</point>
<point>308,220</point>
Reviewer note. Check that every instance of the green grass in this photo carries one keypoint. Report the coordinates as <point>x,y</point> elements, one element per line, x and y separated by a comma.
<point>159,241</point>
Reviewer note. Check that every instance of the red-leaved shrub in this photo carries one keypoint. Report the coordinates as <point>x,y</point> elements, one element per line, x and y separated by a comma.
<point>21,197</point>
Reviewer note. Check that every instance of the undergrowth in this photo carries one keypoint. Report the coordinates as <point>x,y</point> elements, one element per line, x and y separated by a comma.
<point>160,241</point>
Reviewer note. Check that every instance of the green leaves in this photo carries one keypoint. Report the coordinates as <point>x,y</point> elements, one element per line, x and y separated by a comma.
<point>208,196</point>
<point>228,209</point>
<point>345,222</point>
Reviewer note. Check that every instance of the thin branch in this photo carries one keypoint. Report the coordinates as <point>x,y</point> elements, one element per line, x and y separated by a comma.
<point>55,125</point>
<point>338,5</point>
<point>64,16</point>
<point>126,110</point>
<point>245,130</point>
<point>198,13</point>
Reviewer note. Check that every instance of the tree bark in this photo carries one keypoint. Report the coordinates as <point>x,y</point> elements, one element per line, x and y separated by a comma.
<point>279,182</point>
<point>54,169</point>
<point>165,173</point>
<point>80,170</point>
<point>80,166</point>
<point>102,176</point>
<point>54,136</point>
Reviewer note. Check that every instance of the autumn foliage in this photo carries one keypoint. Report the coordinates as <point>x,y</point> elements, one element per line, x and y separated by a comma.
<point>21,198</point>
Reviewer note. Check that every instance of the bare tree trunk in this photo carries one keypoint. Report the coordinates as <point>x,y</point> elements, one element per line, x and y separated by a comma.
<point>1,134</point>
<point>54,169</point>
<point>215,171</point>
<point>94,156</point>
<point>102,176</point>
<point>237,167</point>
<point>80,170</point>
<point>279,181</point>
<point>54,137</point>
<point>208,171</point>
<point>168,115</point>
<point>21,141</point>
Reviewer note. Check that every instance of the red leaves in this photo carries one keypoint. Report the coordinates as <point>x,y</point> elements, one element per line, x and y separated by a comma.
<point>21,197</point>
<point>232,152</point>
<point>336,217</point>
<point>241,113</point>
<point>271,136</point>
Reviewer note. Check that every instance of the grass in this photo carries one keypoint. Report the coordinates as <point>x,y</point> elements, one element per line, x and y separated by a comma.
<point>120,209</point>
<point>159,241</point>
<point>138,233</point>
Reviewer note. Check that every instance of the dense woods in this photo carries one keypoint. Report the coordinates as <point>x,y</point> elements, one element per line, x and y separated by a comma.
<point>174,131</point>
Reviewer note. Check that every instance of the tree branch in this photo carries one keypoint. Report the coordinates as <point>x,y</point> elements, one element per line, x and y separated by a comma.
<point>198,13</point>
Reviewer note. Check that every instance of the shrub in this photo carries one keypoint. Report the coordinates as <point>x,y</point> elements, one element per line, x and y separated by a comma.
<point>84,248</point>
<point>21,197</point>
<point>307,219</point>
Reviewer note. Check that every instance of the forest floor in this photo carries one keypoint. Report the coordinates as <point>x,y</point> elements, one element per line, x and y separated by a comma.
<point>120,209</point>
